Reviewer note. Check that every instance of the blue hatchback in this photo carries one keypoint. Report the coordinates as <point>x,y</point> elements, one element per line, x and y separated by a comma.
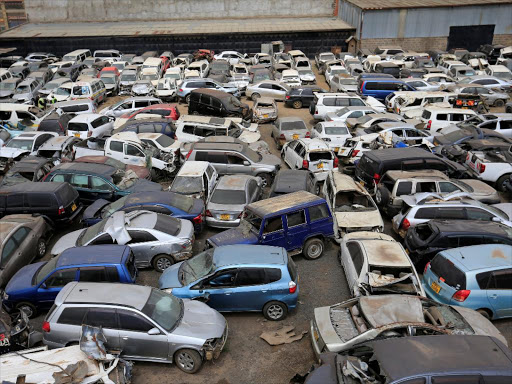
<point>237,278</point>
<point>477,277</point>
<point>35,286</point>
<point>167,203</point>
<point>298,222</point>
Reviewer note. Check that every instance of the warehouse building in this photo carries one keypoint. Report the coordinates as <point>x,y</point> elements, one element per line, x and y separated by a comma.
<point>420,25</point>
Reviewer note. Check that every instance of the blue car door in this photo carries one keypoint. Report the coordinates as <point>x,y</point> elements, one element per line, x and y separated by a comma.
<point>220,288</point>
<point>251,291</point>
<point>51,286</point>
<point>273,232</point>
<point>499,292</point>
<point>297,229</point>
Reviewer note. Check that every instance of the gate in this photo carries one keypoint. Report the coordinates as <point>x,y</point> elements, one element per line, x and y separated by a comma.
<point>470,37</point>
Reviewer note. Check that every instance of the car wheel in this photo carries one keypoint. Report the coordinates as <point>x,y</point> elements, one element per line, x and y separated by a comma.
<point>255,96</point>
<point>188,360</point>
<point>29,309</point>
<point>297,104</point>
<point>381,196</point>
<point>187,99</point>
<point>499,103</point>
<point>349,170</point>
<point>266,178</point>
<point>41,248</point>
<point>313,249</point>
<point>162,262</point>
<point>500,184</point>
<point>275,310</point>
<point>485,313</point>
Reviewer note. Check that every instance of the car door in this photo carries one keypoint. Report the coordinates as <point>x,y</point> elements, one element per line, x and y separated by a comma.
<point>81,183</point>
<point>115,150</point>
<point>142,244</point>
<point>237,164</point>
<point>353,265</point>
<point>499,292</point>
<point>101,189</point>
<point>133,155</point>
<point>273,232</point>
<point>279,93</point>
<point>106,319</point>
<point>51,286</point>
<point>134,340</point>
<point>219,288</point>
<point>250,292</point>
<point>18,251</point>
<point>296,229</point>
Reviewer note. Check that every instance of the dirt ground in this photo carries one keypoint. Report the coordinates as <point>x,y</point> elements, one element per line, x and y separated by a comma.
<point>248,359</point>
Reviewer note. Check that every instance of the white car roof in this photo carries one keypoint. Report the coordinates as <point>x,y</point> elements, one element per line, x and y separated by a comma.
<point>193,168</point>
<point>85,118</point>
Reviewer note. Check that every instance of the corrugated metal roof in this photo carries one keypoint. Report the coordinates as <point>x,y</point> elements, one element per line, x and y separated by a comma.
<point>390,4</point>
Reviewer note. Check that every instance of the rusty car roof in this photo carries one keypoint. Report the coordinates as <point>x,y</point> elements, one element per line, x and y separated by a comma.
<point>283,203</point>
<point>380,310</point>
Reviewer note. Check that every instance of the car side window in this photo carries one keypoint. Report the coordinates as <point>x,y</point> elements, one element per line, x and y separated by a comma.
<point>140,236</point>
<point>21,234</point>
<point>9,248</point>
<point>116,146</point>
<point>273,224</point>
<point>425,213</point>
<point>101,317</point>
<point>131,321</point>
<point>447,187</point>
<point>132,150</point>
<point>426,186</point>
<point>272,275</point>
<point>235,159</point>
<point>501,279</point>
<point>318,212</point>
<point>459,379</point>
<point>99,274</point>
<point>80,181</point>
<point>72,316</point>
<point>356,255</point>
<point>478,214</point>
<point>61,278</point>
<point>220,280</point>
<point>250,276</point>
<point>102,239</point>
<point>404,188</point>
<point>449,213</point>
<point>99,184</point>
<point>296,218</point>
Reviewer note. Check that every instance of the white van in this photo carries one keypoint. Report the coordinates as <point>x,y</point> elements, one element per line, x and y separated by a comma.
<point>21,115</point>
<point>77,56</point>
<point>154,63</point>
<point>77,107</point>
<point>4,75</point>
<point>196,179</point>
<point>92,89</point>
<point>201,66</point>
<point>436,118</point>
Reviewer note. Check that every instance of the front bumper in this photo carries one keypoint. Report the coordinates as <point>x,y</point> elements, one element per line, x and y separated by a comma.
<point>214,353</point>
<point>315,340</point>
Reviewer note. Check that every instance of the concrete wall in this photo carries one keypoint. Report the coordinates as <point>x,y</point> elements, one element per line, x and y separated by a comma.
<point>46,11</point>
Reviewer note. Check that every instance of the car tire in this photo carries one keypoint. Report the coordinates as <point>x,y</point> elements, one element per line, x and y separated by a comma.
<point>297,104</point>
<point>349,170</point>
<point>28,308</point>
<point>500,184</point>
<point>313,249</point>
<point>485,313</point>
<point>188,360</point>
<point>162,262</point>
<point>381,196</point>
<point>255,96</point>
<point>275,311</point>
<point>499,103</point>
<point>41,248</point>
<point>266,178</point>
<point>187,99</point>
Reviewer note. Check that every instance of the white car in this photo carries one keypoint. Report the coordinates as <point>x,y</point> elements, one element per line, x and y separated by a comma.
<point>306,76</point>
<point>291,78</point>
<point>90,125</point>
<point>334,133</point>
<point>436,118</point>
<point>333,71</point>
<point>332,102</point>
<point>499,71</point>
<point>174,73</point>
<point>310,154</point>
<point>422,85</point>
<point>166,89</point>
<point>232,57</point>
<point>162,142</point>
<point>343,114</point>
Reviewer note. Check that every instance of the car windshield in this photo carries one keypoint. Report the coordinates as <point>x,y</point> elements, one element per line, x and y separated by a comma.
<point>4,86</point>
<point>293,126</point>
<point>351,201</point>
<point>81,90</point>
<point>128,77</point>
<point>152,76</point>
<point>336,131</point>
<point>108,79</point>
<point>63,91</point>
<point>51,85</point>
<point>498,212</point>
<point>305,72</point>
<point>348,81</point>
<point>119,66</point>
<point>197,267</point>
<point>45,270</point>
<point>20,144</point>
<point>90,233</point>
<point>187,185</point>
<point>109,209</point>
<point>166,310</point>
<point>23,89</point>
<point>338,71</point>
<point>172,76</point>
<point>228,196</point>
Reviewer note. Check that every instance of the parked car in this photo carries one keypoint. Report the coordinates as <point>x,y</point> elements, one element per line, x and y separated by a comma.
<point>27,143</point>
<point>476,277</point>
<point>129,106</point>
<point>212,102</point>
<point>35,287</point>
<point>30,168</point>
<point>195,179</point>
<point>8,87</point>
<point>293,180</point>
<point>264,110</point>
<point>142,172</point>
<point>436,118</point>
<point>324,103</point>
<point>56,122</point>
<point>265,279</point>
<point>492,165</point>
<point>58,202</point>
<point>23,238</point>
<point>302,96</point>
<point>168,329</point>
<point>282,221</point>
<point>169,111</point>
<point>285,129</point>
<point>166,203</point>
<point>267,88</point>
<point>77,107</point>
<point>156,240</point>
<point>334,133</point>
<point>336,330</point>
<point>142,88</point>
<point>342,114</point>
<point>311,154</point>
<point>151,125</point>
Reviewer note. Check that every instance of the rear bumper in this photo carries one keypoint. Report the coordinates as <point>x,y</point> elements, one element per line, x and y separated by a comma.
<point>216,223</point>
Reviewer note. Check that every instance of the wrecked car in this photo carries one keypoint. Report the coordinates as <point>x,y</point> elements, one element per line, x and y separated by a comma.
<point>264,110</point>
<point>16,334</point>
<point>22,145</point>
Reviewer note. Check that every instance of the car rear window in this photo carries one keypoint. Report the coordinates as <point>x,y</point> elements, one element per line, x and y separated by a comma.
<point>317,156</point>
<point>81,127</point>
<point>72,316</point>
<point>423,231</point>
<point>293,125</point>
<point>66,194</point>
<point>452,276</point>
<point>169,225</point>
<point>368,165</point>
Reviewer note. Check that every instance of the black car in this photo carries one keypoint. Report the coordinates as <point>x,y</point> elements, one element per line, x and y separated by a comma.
<point>457,152</point>
<point>492,51</point>
<point>59,202</point>
<point>211,102</point>
<point>30,168</point>
<point>157,125</point>
<point>302,96</point>
<point>439,359</point>
<point>293,180</point>
<point>56,122</point>
<point>70,72</point>
<point>424,240</point>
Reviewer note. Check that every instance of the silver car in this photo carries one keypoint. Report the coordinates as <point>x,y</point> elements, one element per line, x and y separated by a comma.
<point>267,88</point>
<point>27,91</point>
<point>287,129</point>
<point>129,106</point>
<point>229,198</point>
<point>156,239</point>
<point>143,323</point>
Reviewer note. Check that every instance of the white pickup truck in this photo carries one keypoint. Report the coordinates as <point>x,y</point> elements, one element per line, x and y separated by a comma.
<point>494,166</point>
<point>129,149</point>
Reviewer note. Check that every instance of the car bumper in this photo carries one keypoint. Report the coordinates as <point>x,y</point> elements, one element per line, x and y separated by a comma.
<point>315,340</point>
<point>52,344</point>
<point>215,353</point>
<point>217,223</point>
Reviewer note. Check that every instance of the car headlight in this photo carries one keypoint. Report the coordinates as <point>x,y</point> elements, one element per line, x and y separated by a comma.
<point>5,296</point>
<point>168,290</point>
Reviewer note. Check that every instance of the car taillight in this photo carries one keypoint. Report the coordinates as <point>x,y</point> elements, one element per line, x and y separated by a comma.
<point>376,178</point>
<point>287,97</point>
<point>208,213</point>
<point>429,124</point>
<point>426,267</point>
<point>355,152</point>
<point>292,287</point>
<point>188,155</point>
<point>336,162</point>
<point>46,327</point>
<point>240,215</point>
<point>316,111</point>
<point>481,168</point>
<point>305,164</point>
<point>89,134</point>
<point>61,210</point>
<point>180,90</point>
<point>467,157</point>
<point>406,224</point>
<point>198,219</point>
<point>281,137</point>
<point>461,295</point>
<point>308,135</point>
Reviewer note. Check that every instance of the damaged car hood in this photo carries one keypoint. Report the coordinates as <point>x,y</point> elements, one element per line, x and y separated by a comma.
<point>378,281</point>
<point>12,153</point>
<point>200,321</point>
<point>359,219</point>
<point>249,137</point>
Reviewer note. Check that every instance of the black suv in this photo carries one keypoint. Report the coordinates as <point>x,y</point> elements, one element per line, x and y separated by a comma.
<point>302,96</point>
<point>491,51</point>
<point>424,241</point>
<point>211,102</point>
<point>56,123</point>
<point>57,201</point>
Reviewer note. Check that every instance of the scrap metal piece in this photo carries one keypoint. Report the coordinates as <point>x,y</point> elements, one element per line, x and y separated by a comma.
<point>284,335</point>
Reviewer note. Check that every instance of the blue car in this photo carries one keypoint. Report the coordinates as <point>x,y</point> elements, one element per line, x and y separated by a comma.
<point>477,277</point>
<point>35,286</point>
<point>381,87</point>
<point>13,131</point>
<point>167,203</point>
<point>298,222</point>
<point>237,278</point>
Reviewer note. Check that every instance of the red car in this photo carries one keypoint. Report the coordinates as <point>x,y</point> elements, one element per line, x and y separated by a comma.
<point>202,54</point>
<point>169,111</point>
<point>109,69</point>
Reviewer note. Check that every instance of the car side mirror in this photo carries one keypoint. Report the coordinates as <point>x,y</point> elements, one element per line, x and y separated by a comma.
<point>154,331</point>
<point>246,163</point>
<point>44,286</point>
<point>496,219</point>
<point>204,297</point>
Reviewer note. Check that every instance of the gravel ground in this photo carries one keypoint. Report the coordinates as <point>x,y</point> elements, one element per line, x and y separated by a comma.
<point>247,358</point>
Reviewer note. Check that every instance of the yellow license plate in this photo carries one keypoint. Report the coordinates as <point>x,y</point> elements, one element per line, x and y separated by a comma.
<point>336,149</point>
<point>435,287</point>
<point>407,251</point>
<point>225,217</point>
<point>315,335</point>
<point>265,116</point>
<point>362,183</point>
<point>77,135</point>
<point>295,137</point>
<point>320,166</point>
<point>73,207</point>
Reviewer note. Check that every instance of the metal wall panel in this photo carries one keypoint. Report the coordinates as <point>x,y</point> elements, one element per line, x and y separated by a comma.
<point>350,14</point>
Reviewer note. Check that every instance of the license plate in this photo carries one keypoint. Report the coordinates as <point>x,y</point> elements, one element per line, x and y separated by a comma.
<point>225,217</point>
<point>336,149</point>
<point>315,335</point>
<point>77,135</point>
<point>73,207</point>
<point>265,116</point>
<point>407,251</point>
<point>435,287</point>
<point>295,137</point>
<point>362,183</point>
<point>4,341</point>
<point>320,166</point>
